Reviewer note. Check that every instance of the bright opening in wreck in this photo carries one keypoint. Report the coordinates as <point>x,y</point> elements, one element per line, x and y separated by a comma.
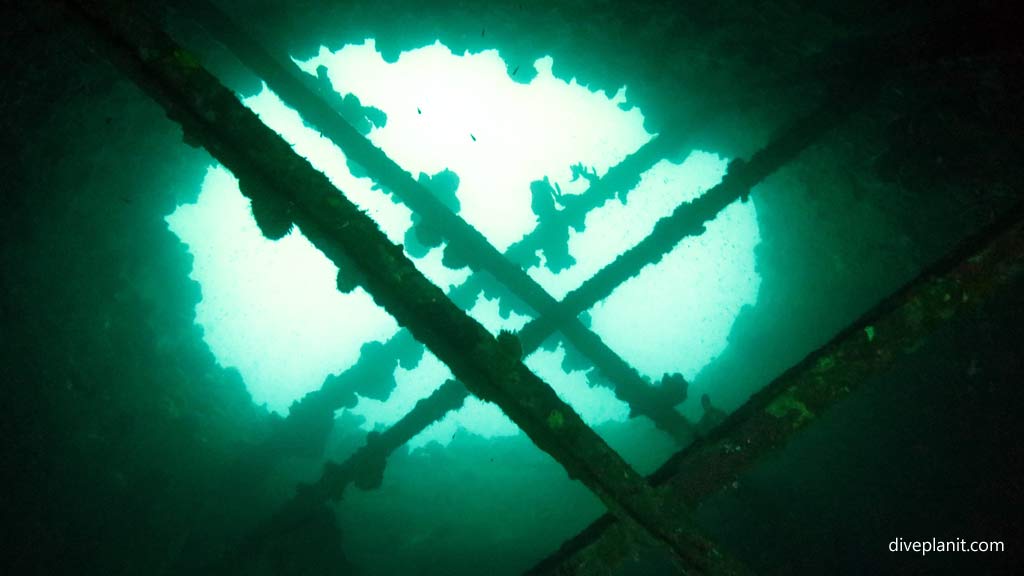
<point>271,309</point>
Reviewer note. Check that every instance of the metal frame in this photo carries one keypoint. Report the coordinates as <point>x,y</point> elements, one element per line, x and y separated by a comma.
<point>656,508</point>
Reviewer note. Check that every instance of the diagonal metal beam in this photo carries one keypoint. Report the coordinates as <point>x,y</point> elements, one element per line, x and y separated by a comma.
<point>982,265</point>
<point>643,399</point>
<point>365,468</point>
<point>689,218</point>
<point>835,63</point>
<point>293,86</point>
<point>272,175</point>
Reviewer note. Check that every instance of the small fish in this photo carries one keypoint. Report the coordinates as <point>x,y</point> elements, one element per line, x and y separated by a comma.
<point>473,137</point>
<point>482,30</point>
<point>418,111</point>
<point>516,70</point>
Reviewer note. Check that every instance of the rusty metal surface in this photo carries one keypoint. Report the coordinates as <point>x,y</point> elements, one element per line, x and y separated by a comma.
<point>286,190</point>
<point>296,89</point>
<point>980,266</point>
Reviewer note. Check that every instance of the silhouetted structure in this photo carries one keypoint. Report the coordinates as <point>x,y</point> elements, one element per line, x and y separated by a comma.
<point>712,453</point>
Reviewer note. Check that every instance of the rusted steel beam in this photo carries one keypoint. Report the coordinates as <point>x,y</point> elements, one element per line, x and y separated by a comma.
<point>311,418</point>
<point>688,219</point>
<point>980,266</point>
<point>742,177</point>
<point>296,89</point>
<point>364,468</point>
<point>285,190</point>
<point>617,181</point>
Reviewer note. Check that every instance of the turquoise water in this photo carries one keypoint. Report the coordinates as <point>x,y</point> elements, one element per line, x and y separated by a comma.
<point>163,361</point>
<point>437,111</point>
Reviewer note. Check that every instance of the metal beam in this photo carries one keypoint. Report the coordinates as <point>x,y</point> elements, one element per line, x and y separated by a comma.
<point>690,217</point>
<point>287,190</point>
<point>365,468</point>
<point>296,89</point>
<point>989,261</point>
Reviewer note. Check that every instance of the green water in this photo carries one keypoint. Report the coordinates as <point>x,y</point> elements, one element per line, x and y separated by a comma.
<point>162,357</point>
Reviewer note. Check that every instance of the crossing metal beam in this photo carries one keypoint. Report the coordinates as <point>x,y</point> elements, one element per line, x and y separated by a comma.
<point>296,89</point>
<point>989,261</point>
<point>690,217</point>
<point>286,190</point>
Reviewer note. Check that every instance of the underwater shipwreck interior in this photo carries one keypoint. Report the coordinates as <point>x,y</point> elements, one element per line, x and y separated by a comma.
<point>512,287</point>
